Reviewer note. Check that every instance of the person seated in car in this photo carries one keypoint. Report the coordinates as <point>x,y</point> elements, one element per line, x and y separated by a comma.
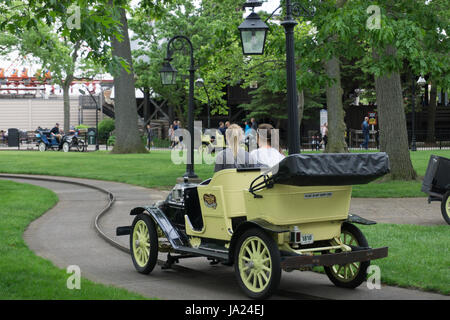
<point>266,155</point>
<point>233,156</point>
<point>56,132</point>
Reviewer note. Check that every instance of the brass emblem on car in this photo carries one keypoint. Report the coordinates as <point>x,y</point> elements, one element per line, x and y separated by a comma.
<point>210,200</point>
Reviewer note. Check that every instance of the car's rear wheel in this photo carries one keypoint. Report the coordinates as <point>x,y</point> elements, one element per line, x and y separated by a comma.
<point>257,264</point>
<point>144,243</point>
<point>42,147</point>
<point>353,274</point>
<point>445,207</point>
<point>80,146</point>
<point>66,147</point>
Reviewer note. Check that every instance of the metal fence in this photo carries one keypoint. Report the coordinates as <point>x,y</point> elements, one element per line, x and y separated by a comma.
<point>441,140</point>
<point>355,138</point>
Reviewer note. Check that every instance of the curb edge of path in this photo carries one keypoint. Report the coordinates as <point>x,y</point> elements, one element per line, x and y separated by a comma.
<point>111,200</point>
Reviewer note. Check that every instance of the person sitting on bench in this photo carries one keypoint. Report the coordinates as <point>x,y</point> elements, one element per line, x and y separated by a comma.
<point>56,132</point>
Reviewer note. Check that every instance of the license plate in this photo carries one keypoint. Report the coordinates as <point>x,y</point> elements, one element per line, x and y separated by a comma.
<point>306,238</point>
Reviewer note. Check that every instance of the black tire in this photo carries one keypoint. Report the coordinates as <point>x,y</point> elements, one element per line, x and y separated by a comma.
<point>445,207</point>
<point>80,146</point>
<point>273,277</point>
<point>150,263</point>
<point>361,272</point>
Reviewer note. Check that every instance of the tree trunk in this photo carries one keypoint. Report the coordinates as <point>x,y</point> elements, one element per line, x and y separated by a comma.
<point>128,139</point>
<point>66,98</point>
<point>66,86</point>
<point>336,125</point>
<point>431,122</point>
<point>393,132</point>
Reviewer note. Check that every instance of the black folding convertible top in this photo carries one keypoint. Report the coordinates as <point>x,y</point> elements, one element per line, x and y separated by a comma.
<point>330,169</point>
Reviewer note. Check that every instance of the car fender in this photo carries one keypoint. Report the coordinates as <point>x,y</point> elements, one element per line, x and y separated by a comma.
<point>163,222</point>
<point>353,218</point>
<point>244,226</point>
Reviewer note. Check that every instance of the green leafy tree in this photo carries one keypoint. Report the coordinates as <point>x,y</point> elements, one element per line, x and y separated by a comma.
<point>212,29</point>
<point>100,22</point>
<point>407,38</point>
<point>54,52</point>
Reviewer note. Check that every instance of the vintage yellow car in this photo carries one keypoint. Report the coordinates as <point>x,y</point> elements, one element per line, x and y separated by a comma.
<point>293,216</point>
<point>211,141</point>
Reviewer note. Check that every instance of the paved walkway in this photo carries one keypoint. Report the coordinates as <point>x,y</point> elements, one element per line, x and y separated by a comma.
<point>66,236</point>
<point>399,210</point>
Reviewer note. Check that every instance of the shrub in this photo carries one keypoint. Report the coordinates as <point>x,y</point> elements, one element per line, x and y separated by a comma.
<point>111,140</point>
<point>105,127</point>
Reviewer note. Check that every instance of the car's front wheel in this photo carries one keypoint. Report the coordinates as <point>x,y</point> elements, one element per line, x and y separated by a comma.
<point>353,274</point>
<point>144,243</point>
<point>445,207</point>
<point>66,147</point>
<point>257,264</point>
<point>42,147</point>
<point>204,148</point>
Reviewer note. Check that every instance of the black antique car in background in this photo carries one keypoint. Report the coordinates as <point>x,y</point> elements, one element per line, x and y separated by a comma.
<point>437,184</point>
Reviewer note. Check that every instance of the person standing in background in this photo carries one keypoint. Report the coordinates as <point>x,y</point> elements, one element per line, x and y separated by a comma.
<point>246,128</point>
<point>149,132</point>
<point>324,133</point>
<point>171,136</point>
<point>366,133</point>
<point>181,136</point>
<point>253,124</point>
<point>222,128</point>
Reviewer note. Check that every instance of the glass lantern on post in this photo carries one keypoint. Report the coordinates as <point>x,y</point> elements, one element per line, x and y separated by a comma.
<point>168,74</point>
<point>253,32</point>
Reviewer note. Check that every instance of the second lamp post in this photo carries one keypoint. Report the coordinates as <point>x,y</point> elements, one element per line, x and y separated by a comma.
<point>168,76</point>
<point>253,35</point>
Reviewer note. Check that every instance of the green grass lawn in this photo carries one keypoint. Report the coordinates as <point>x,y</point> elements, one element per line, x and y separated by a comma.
<point>156,169</point>
<point>23,275</point>
<point>418,255</point>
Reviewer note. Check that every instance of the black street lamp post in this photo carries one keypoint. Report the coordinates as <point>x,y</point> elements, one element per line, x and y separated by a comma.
<point>253,32</point>
<point>168,76</point>
<point>200,83</point>
<point>421,82</point>
<point>293,127</point>
<point>413,116</point>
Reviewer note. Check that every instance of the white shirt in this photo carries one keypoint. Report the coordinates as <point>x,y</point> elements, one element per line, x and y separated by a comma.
<point>266,156</point>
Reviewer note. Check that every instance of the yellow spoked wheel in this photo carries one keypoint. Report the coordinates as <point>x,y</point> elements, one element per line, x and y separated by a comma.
<point>445,207</point>
<point>144,243</point>
<point>257,264</point>
<point>204,148</point>
<point>353,274</point>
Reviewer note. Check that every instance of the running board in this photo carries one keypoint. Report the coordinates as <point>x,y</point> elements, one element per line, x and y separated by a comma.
<point>203,253</point>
